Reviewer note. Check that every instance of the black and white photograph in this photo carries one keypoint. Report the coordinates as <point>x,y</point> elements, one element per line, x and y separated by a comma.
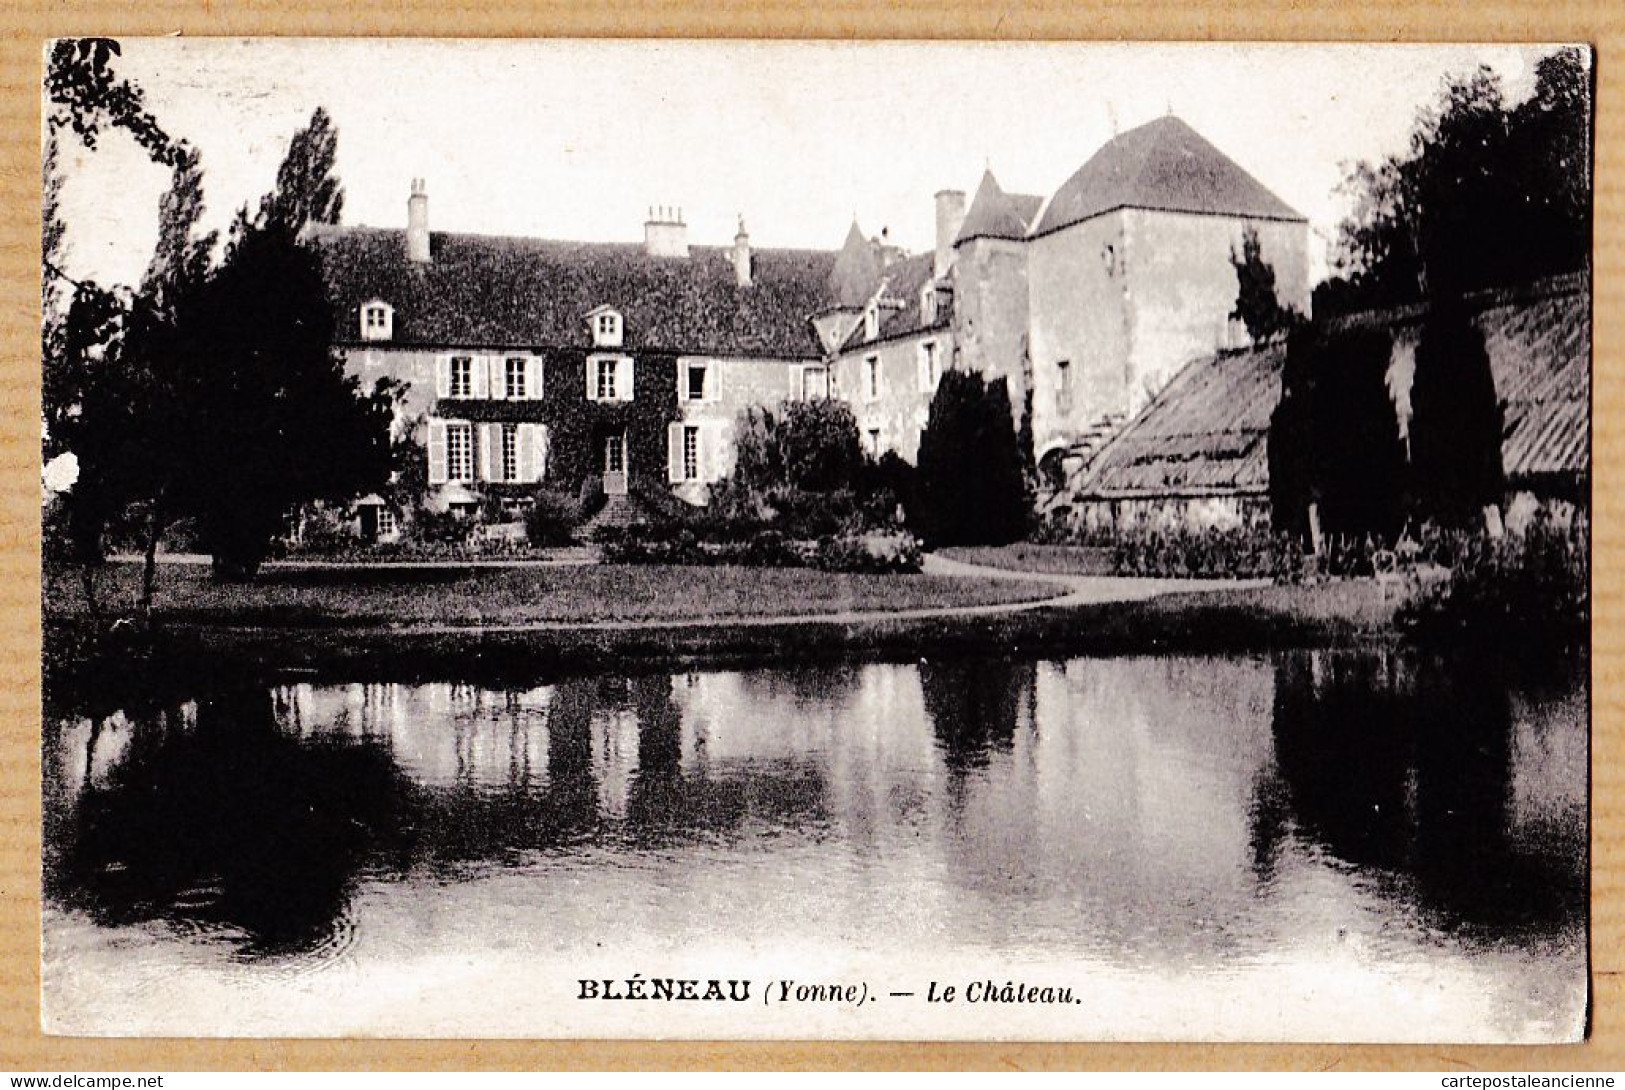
<point>815,540</point>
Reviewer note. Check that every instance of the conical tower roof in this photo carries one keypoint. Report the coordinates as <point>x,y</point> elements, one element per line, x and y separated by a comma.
<point>1164,165</point>
<point>857,270</point>
<point>995,213</point>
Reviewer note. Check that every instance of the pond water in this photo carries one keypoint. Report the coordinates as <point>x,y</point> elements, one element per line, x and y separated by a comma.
<point>1326,845</point>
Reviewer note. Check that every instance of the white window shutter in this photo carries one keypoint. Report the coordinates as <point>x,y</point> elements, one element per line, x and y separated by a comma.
<point>536,468</point>
<point>533,378</point>
<point>442,378</point>
<point>674,453</point>
<point>437,451</point>
<point>522,440</point>
<point>488,464</point>
<point>497,367</point>
<point>481,377</point>
<point>713,450</point>
<point>592,384</point>
<point>623,379</point>
<point>795,383</point>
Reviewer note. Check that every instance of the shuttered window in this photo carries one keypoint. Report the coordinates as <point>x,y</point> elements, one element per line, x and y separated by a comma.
<point>460,452</point>
<point>461,379</point>
<point>691,453</point>
<point>510,452</point>
<point>516,371</point>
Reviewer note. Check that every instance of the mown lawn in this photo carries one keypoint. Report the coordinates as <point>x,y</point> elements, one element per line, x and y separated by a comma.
<point>474,596</point>
<point>1042,559</point>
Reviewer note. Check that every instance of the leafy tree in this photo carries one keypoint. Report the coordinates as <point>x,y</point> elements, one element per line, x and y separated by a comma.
<point>970,486</point>
<point>1334,436</point>
<point>800,467</point>
<point>819,445</point>
<point>86,97</point>
<point>215,394</point>
<point>274,420</point>
<point>307,191</point>
<point>1257,306</point>
<point>1456,420</point>
<point>1485,194</point>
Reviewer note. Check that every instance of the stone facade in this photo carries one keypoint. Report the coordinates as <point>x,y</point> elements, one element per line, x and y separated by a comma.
<point>712,392</point>
<point>889,385</point>
<point>1086,302</point>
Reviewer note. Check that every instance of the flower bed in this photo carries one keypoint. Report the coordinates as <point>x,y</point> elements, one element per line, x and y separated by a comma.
<point>887,552</point>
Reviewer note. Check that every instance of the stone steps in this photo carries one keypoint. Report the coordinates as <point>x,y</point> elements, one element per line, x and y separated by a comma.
<point>617,513</point>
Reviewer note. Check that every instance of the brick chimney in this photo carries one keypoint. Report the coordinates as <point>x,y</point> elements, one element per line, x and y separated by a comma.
<point>664,233</point>
<point>950,217</point>
<point>417,224</point>
<point>741,255</point>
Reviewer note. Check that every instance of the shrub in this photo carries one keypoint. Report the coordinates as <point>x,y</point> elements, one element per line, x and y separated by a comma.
<point>651,545</point>
<point>552,520</point>
<point>887,553</point>
<point>591,499</point>
<point>441,528</point>
<point>1210,554</point>
<point>971,488</point>
<point>1531,592</point>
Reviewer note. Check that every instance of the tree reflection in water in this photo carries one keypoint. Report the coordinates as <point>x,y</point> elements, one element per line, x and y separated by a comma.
<point>1401,765</point>
<point>974,706</point>
<point>233,824</point>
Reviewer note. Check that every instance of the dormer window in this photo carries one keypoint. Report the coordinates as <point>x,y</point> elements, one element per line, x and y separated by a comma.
<point>871,322</point>
<point>606,327</point>
<point>377,320</point>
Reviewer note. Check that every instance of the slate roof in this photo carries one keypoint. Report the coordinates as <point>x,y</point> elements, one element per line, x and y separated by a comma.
<point>493,291</point>
<point>1206,432</point>
<point>1166,165</point>
<point>997,214</point>
<point>904,280</point>
<point>856,272</point>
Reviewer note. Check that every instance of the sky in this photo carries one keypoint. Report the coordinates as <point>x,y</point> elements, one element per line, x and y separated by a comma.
<point>577,139</point>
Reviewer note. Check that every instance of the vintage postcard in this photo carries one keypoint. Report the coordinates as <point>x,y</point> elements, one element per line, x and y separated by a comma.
<point>816,540</point>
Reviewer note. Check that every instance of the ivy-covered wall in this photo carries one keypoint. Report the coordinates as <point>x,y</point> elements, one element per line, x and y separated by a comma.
<point>577,426</point>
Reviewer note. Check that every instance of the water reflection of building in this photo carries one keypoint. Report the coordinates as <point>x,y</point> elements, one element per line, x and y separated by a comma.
<point>1157,806</point>
<point>1110,796</point>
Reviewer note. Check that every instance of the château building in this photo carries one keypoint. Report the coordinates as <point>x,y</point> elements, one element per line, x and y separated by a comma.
<point>543,363</point>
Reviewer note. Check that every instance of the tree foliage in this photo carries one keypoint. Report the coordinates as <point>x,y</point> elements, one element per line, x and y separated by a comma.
<point>86,97</point>
<point>1455,423</point>
<point>1334,436</point>
<point>799,465</point>
<point>214,392</point>
<point>1257,305</point>
<point>819,445</point>
<point>1485,194</point>
<point>971,489</point>
<point>273,419</point>
<point>307,189</point>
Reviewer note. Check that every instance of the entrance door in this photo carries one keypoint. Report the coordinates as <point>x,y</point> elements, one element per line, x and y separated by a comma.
<point>615,464</point>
